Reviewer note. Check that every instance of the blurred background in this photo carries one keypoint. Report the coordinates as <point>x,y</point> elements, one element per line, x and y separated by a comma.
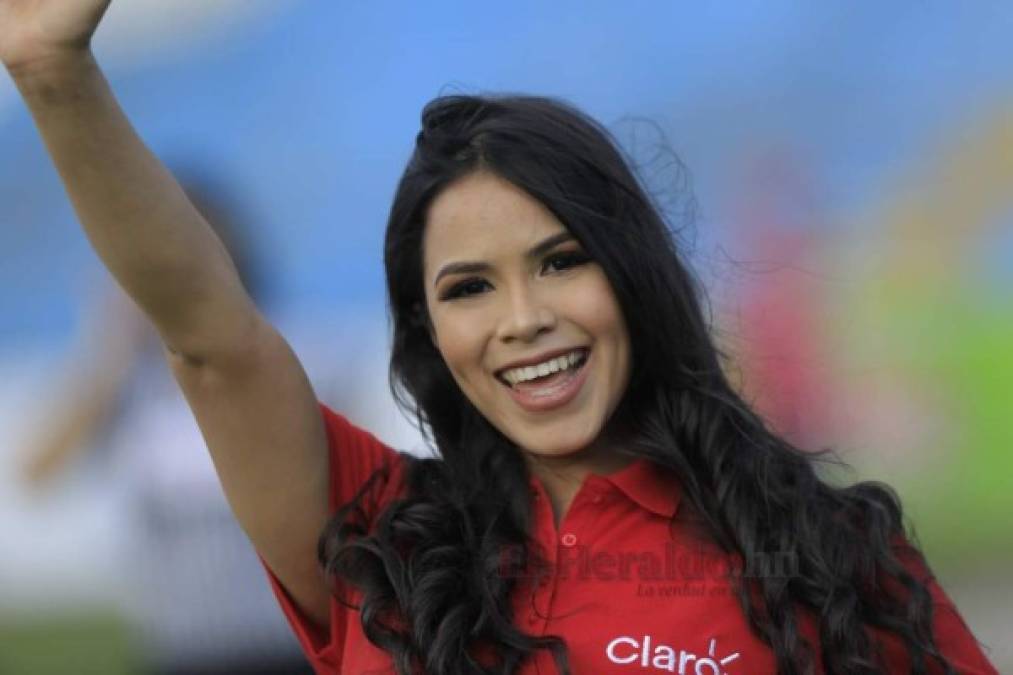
<point>852,170</point>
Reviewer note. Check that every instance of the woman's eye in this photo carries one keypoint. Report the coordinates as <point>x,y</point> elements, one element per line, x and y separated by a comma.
<point>559,262</point>
<point>466,288</point>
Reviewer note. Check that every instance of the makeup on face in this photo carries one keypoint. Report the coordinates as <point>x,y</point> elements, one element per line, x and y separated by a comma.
<point>525,320</point>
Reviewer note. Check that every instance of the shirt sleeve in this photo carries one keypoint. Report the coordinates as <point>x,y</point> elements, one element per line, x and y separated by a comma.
<point>354,456</point>
<point>953,637</point>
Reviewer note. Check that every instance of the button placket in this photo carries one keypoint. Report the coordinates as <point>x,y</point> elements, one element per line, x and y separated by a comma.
<point>569,535</point>
<point>537,613</point>
<point>575,520</point>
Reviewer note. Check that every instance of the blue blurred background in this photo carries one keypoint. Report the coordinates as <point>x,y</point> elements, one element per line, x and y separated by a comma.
<point>852,168</point>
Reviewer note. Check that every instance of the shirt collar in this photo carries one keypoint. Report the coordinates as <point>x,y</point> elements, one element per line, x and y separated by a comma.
<point>649,484</point>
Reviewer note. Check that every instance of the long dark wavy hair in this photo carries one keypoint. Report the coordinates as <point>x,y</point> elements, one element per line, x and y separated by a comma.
<point>430,569</point>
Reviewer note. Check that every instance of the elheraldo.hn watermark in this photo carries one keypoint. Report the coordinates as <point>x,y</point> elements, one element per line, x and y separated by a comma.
<point>674,563</point>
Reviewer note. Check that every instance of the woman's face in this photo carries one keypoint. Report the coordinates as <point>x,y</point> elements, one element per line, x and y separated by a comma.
<point>527,324</point>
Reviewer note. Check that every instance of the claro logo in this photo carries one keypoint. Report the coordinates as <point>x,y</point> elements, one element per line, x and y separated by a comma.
<point>628,651</point>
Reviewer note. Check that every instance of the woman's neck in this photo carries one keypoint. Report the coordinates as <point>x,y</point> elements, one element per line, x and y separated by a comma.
<point>562,476</point>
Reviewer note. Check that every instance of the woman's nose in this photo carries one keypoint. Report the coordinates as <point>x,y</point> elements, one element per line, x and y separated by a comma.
<point>525,317</point>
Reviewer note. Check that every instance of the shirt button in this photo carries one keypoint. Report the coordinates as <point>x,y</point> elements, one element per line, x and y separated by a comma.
<point>569,539</point>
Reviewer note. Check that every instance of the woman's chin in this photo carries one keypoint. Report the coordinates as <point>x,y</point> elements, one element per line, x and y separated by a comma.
<point>548,449</point>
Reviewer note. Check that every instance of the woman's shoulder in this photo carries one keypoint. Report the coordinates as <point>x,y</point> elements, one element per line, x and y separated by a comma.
<point>360,464</point>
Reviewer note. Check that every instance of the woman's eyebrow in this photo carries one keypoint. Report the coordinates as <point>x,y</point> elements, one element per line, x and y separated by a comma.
<point>469,267</point>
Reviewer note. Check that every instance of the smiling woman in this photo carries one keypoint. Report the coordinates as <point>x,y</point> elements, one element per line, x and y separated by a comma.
<point>532,334</point>
<point>549,338</point>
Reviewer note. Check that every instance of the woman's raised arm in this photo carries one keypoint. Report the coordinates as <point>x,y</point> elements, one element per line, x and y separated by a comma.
<point>251,398</point>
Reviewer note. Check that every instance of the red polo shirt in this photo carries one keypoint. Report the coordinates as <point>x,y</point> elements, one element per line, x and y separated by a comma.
<point>633,590</point>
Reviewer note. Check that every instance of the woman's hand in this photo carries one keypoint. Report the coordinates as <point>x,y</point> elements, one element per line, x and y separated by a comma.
<point>35,32</point>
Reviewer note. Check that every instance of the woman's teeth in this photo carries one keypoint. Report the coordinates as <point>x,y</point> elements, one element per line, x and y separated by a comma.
<point>528,373</point>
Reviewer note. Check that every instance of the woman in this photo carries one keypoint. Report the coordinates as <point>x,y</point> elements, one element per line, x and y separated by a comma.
<point>603,501</point>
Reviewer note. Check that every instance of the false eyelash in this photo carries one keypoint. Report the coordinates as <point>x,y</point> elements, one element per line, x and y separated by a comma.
<point>457,290</point>
<point>575,258</point>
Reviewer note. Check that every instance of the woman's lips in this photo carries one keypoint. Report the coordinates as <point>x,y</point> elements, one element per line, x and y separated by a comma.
<point>550,392</point>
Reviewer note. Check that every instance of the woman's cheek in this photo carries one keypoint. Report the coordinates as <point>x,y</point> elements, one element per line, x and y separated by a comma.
<point>458,344</point>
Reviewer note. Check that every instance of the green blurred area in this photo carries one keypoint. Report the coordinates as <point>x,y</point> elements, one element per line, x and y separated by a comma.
<point>960,342</point>
<point>81,643</point>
